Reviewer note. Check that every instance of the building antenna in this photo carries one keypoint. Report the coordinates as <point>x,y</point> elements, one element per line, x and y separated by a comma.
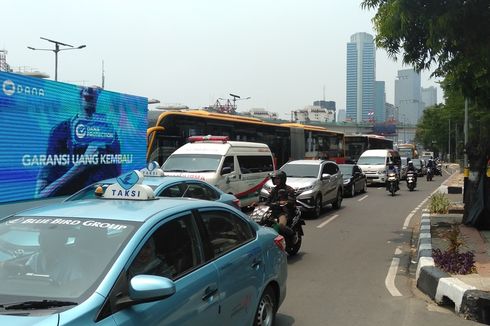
<point>103,76</point>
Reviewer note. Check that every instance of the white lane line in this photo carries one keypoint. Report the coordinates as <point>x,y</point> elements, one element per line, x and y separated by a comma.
<point>390,278</point>
<point>361,199</point>
<point>327,221</point>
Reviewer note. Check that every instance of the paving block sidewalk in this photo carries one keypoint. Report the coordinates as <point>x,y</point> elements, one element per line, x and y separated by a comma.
<point>470,293</point>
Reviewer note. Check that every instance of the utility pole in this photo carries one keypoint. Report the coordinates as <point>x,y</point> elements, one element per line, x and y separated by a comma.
<point>465,161</point>
<point>449,141</point>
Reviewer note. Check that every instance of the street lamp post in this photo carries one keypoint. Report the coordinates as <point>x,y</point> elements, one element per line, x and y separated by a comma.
<point>56,50</point>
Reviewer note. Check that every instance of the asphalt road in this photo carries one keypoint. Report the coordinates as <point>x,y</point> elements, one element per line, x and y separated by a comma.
<point>354,267</point>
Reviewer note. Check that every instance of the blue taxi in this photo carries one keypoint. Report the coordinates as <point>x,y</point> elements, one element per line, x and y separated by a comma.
<point>131,258</point>
<point>167,186</point>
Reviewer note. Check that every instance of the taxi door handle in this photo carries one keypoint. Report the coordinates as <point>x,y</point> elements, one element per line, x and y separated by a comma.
<point>209,292</point>
<point>256,263</point>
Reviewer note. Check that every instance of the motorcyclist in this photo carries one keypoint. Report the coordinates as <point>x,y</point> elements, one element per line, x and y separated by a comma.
<point>393,168</point>
<point>411,168</point>
<point>430,164</point>
<point>282,200</point>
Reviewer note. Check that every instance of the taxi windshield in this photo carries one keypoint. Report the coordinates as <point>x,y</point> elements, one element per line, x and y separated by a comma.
<point>46,258</point>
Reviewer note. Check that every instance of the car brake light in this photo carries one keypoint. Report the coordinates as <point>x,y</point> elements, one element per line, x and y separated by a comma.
<point>222,139</point>
<point>280,242</point>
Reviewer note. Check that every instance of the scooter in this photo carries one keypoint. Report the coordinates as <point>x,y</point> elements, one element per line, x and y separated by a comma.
<point>429,174</point>
<point>411,180</point>
<point>438,169</point>
<point>262,214</point>
<point>392,183</point>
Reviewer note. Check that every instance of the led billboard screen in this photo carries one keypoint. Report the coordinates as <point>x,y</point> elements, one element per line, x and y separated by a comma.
<point>56,138</point>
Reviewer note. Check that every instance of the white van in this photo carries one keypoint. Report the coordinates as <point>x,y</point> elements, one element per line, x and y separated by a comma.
<point>374,163</point>
<point>236,167</point>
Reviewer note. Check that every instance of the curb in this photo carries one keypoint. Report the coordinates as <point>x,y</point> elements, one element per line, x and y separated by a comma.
<point>441,287</point>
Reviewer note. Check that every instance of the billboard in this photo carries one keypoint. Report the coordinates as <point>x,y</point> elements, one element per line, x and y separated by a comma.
<point>56,138</point>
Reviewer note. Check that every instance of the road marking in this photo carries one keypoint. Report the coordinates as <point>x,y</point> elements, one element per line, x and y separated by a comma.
<point>390,277</point>
<point>327,221</point>
<point>361,199</point>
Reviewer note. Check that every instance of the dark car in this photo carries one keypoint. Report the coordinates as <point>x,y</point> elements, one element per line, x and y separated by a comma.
<point>419,166</point>
<point>355,180</point>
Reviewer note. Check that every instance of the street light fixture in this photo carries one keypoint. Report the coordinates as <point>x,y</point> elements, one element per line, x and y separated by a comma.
<point>56,50</point>
<point>235,97</point>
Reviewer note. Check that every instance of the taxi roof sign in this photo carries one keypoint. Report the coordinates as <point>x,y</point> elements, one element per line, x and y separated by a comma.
<point>129,186</point>
<point>153,170</point>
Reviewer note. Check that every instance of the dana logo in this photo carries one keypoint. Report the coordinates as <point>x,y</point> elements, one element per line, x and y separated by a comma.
<point>10,88</point>
<point>81,130</point>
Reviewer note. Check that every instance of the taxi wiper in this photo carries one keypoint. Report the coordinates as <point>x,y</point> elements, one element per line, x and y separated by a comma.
<point>175,170</point>
<point>44,304</point>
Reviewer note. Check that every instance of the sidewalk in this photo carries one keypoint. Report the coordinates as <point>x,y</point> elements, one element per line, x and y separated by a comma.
<point>470,294</point>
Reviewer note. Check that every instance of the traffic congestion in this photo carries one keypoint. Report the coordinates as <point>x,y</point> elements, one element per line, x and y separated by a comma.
<point>175,244</point>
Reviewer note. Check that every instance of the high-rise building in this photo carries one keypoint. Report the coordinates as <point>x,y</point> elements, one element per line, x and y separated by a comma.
<point>361,75</point>
<point>429,96</point>
<point>379,103</point>
<point>328,105</point>
<point>408,97</point>
<point>341,116</point>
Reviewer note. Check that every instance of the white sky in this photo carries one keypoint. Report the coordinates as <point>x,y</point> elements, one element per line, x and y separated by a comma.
<point>280,53</point>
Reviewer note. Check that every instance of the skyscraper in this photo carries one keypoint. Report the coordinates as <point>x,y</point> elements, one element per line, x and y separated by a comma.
<point>380,101</point>
<point>429,96</point>
<point>408,97</point>
<point>361,75</point>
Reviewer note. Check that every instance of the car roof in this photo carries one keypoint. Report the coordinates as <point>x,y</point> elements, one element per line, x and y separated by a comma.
<point>307,162</point>
<point>118,209</point>
<point>156,181</point>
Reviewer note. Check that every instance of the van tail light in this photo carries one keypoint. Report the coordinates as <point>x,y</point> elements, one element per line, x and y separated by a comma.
<point>280,242</point>
<point>236,202</point>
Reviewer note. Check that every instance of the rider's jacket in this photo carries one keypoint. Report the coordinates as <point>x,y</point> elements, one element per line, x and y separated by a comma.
<point>280,193</point>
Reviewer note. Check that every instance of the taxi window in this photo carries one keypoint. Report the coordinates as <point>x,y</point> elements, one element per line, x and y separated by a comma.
<point>172,250</point>
<point>225,231</point>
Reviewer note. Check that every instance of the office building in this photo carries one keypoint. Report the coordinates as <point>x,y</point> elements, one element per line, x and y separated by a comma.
<point>361,75</point>
<point>380,100</point>
<point>408,98</point>
<point>429,96</point>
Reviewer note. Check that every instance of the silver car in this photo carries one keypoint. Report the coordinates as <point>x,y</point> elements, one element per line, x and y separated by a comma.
<point>317,183</point>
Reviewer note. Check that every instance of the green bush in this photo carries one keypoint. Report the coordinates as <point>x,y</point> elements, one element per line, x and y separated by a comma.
<point>439,203</point>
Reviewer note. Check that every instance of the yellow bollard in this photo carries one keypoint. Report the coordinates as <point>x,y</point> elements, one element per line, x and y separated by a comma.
<point>467,172</point>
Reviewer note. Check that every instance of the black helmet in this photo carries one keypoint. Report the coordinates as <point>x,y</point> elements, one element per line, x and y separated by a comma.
<point>281,175</point>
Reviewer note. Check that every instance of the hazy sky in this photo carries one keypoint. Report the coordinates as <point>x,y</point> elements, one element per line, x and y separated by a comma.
<point>283,54</point>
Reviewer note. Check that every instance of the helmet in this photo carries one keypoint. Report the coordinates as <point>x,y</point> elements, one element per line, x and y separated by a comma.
<point>281,175</point>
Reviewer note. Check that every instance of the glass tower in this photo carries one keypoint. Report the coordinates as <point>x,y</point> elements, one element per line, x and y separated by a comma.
<point>361,76</point>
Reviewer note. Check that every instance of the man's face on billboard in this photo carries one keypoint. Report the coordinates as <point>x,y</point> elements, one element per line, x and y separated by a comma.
<point>89,100</point>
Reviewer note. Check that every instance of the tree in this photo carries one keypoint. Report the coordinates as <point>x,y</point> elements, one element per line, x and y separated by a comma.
<point>454,36</point>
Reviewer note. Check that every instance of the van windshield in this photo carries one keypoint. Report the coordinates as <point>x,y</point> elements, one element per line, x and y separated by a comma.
<point>192,163</point>
<point>371,160</point>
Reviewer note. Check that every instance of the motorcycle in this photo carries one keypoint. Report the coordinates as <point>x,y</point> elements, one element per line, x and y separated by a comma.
<point>429,174</point>
<point>262,214</point>
<point>392,183</point>
<point>438,169</point>
<point>411,180</point>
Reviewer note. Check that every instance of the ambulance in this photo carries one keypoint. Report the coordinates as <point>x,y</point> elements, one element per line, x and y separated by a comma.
<point>236,167</point>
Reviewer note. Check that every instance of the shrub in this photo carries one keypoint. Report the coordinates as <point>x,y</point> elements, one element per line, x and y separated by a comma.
<point>451,260</point>
<point>439,203</point>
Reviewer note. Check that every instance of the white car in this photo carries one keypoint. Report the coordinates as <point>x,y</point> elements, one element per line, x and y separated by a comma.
<point>317,183</point>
